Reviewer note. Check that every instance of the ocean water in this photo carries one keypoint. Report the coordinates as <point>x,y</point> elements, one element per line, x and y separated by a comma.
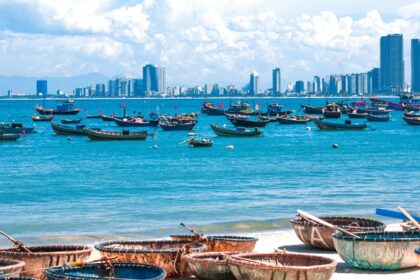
<point>74,190</point>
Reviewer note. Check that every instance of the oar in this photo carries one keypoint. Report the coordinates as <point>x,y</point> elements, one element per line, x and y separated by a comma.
<point>409,217</point>
<point>322,222</point>
<point>196,233</point>
<point>19,244</point>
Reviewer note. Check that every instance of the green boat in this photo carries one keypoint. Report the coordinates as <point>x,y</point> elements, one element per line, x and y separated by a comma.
<point>379,250</point>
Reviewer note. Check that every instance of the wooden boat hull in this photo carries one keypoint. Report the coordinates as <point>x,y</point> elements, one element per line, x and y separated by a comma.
<point>210,266</point>
<point>378,118</point>
<point>293,121</point>
<point>338,126</point>
<point>42,119</point>
<point>312,110</point>
<point>43,111</point>
<point>417,251</point>
<point>42,257</point>
<point>225,132</point>
<point>93,116</point>
<point>332,115</point>
<point>210,110</point>
<point>98,271</point>
<point>8,137</point>
<point>65,121</point>
<point>249,123</point>
<point>177,127</point>
<point>411,121</point>
<point>357,115</point>
<point>320,236</point>
<point>127,123</point>
<point>67,130</point>
<point>223,243</point>
<point>10,267</point>
<point>162,253</point>
<point>281,265</point>
<point>379,251</point>
<point>107,118</point>
<point>200,144</point>
<point>99,135</point>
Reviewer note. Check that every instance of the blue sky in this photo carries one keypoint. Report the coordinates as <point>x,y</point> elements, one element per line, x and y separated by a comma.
<point>200,41</point>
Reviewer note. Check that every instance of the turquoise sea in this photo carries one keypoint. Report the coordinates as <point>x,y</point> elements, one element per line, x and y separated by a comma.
<point>74,190</point>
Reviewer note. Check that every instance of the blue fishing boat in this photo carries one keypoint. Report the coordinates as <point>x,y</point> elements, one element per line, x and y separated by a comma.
<point>8,137</point>
<point>347,125</point>
<point>378,118</point>
<point>172,126</point>
<point>15,128</point>
<point>69,121</point>
<point>135,122</point>
<point>238,132</point>
<point>65,108</point>
<point>60,129</point>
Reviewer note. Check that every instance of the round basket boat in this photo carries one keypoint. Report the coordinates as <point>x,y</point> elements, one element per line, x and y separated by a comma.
<point>17,278</point>
<point>42,257</point>
<point>210,266</point>
<point>167,254</point>
<point>10,268</point>
<point>417,251</point>
<point>379,251</point>
<point>223,243</point>
<point>319,236</point>
<point>281,265</point>
<point>99,272</point>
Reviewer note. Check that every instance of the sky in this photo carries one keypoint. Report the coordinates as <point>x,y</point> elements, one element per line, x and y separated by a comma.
<point>201,41</point>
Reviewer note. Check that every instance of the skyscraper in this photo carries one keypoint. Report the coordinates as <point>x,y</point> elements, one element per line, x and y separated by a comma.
<point>154,78</point>
<point>392,63</point>
<point>299,87</point>
<point>317,84</point>
<point>415,65</point>
<point>374,80</point>
<point>276,81</point>
<point>253,83</point>
<point>41,87</point>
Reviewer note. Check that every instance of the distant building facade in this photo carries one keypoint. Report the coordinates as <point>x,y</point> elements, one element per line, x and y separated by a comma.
<point>415,65</point>
<point>392,63</point>
<point>41,87</point>
<point>154,79</point>
<point>254,78</point>
<point>276,81</point>
<point>299,87</point>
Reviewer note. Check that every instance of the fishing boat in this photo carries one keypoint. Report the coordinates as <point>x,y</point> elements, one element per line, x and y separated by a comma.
<point>135,122</point>
<point>281,265</point>
<point>238,132</point>
<point>65,108</point>
<point>236,116</point>
<point>390,250</point>
<point>249,123</point>
<point>319,236</point>
<point>167,254</point>
<point>411,121</point>
<point>100,135</point>
<point>109,118</point>
<point>197,143</point>
<point>93,116</point>
<point>331,111</point>
<point>404,103</point>
<point>221,243</point>
<point>312,110</point>
<point>60,129</point>
<point>339,126</point>
<point>240,108</point>
<point>210,265</point>
<point>41,257</point>
<point>176,125</point>
<point>412,114</point>
<point>211,110</point>
<point>69,121</point>
<point>378,118</point>
<point>293,119</point>
<point>106,271</point>
<point>374,111</point>
<point>355,115</point>
<point>8,137</point>
<point>10,267</point>
<point>15,128</point>
<point>42,118</point>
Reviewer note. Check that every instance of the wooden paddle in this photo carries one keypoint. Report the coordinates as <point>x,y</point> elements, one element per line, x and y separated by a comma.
<point>196,233</point>
<point>322,222</point>
<point>409,217</point>
<point>18,244</point>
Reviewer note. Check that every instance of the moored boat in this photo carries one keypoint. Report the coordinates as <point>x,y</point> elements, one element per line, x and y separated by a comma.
<point>41,257</point>
<point>174,126</point>
<point>281,265</point>
<point>210,265</point>
<point>249,123</point>
<point>60,129</point>
<point>65,108</point>
<point>331,111</point>
<point>109,118</point>
<point>411,121</point>
<point>101,135</point>
<point>320,236</point>
<point>222,243</point>
<point>69,121</point>
<point>93,116</point>
<point>238,132</point>
<point>10,267</point>
<point>104,271</point>
<point>15,128</point>
<point>390,250</point>
<point>197,143</point>
<point>356,115</point>
<point>378,118</point>
<point>293,119</point>
<point>36,118</point>
<point>167,254</point>
<point>312,110</point>
<point>323,125</point>
<point>211,110</point>
<point>8,137</point>
<point>135,122</point>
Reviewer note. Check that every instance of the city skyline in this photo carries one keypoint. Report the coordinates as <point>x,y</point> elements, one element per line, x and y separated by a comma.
<point>221,46</point>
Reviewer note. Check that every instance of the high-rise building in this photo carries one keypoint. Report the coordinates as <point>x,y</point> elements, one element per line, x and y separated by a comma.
<point>154,78</point>
<point>253,83</point>
<point>308,87</point>
<point>138,87</point>
<point>276,81</point>
<point>299,87</point>
<point>415,65</point>
<point>373,77</point>
<point>392,63</point>
<point>317,84</point>
<point>100,90</point>
<point>41,87</point>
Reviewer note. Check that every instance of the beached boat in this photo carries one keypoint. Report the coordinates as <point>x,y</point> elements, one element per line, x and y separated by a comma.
<point>10,268</point>
<point>125,135</point>
<point>65,108</point>
<point>135,122</point>
<point>378,118</point>
<point>211,110</point>
<point>104,271</point>
<point>411,121</point>
<point>42,118</point>
<point>347,125</point>
<point>60,129</point>
<point>319,236</point>
<point>41,257</point>
<point>390,250</point>
<point>8,137</point>
<point>210,265</point>
<point>331,111</point>
<point>293,119</point>
<point>221,243</point>
<point>281,265</point>
<point>167,254</point>
<point>68,121</point>
<point>312,110</point>
<point>197,143</point>
<point>249,123</point>
<point>15,128</point>
<point>238,132</point>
